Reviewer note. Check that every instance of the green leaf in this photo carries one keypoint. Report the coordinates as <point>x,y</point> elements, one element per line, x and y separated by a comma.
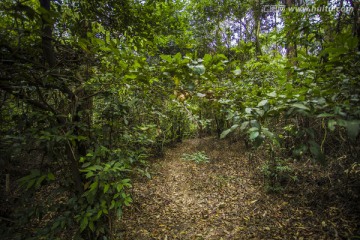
<point>300,106</point>
<point>83,224</point>
<point>263,103</point>
<point>89,174</point>
<point>199,69</point>
<point>254,129</point>
<point>91,226</point>
<point>166,58</point>
<point>130,76</point>
<point>30,179</point>
<point>268,133</point>
<point>253,135</point>
<point>237,72</point>
<point>272,94</point>
<point>353,128</point>
<point>331,124</point>
<point>207,58</point>
<point>93,186</point>
<point>119,213</point>
<point>85,165</point>
<point>323,115</point>
<point>99,214</point>
<point>316,151</point>
<point>119,187</point>
<point>127,201</point>
<point>244,125</point>
<point>39,181</point>
<point>178,57</point>
<point>226,132</point>
<point>106,187</point>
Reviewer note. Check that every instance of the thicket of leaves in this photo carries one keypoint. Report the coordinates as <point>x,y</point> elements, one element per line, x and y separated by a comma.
<point>90,90</point>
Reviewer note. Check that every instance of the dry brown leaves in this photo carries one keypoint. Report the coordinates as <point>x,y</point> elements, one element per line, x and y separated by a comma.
<point>223,199</point>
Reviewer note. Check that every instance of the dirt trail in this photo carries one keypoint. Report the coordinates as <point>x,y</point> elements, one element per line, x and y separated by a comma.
<point>185,200</point>
<point>225,199</point>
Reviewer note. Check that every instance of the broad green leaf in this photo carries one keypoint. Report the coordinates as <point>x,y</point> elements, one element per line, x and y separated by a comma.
<point>237,72</point>
<point>199,69</point>
<point>316,151</point>
<point>323,115</point>
<point>119,187</point>
<point>119,213</point>
<point>166,58</point>
<point>331,124</point>
<point>207,58</point>
<point>130,76</point>
<point>99,214</point>
<point>263,103</point>
<point>353,128</point>
<point>85,165</point>
<point>106,187</point>
<point>178,56</point>
<point>268,133</point>
<point>253,135</point>
<point>244,125</point>
<point>248,110</point>
<point>253,129</point>
<point>93,186</point>
<point>260,112</point>
<point>300,106</point>
<point>89,174</point>
<point>50,176</point>
<point>226,132</point>
<point>91,226</point>
<point>272,94</point>
<point>83,224</point>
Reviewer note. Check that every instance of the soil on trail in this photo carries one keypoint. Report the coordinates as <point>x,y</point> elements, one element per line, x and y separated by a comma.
<point>222,199</point>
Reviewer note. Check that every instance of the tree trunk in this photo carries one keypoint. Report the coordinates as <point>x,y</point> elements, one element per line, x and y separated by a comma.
<point>291,50</point>
<point>46,38</point>
<point>257,18</point>
<point>356,25</point>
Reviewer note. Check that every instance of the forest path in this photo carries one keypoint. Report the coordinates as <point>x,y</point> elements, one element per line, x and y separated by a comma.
<point>186,200</point>
<point>226,199</point>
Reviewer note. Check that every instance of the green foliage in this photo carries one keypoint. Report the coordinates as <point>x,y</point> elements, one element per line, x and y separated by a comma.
<point>104,193</point>
<point>90,90</point>
<point>197,157</point>
<point>35,179</point>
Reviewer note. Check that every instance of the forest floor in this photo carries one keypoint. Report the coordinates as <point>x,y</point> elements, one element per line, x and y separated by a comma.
<point>226,199</point>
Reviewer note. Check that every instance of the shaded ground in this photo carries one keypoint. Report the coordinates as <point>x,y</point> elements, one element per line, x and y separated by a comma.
<point>225,199</point>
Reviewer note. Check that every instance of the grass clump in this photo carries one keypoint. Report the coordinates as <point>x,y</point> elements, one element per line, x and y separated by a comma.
<point>197,157</point>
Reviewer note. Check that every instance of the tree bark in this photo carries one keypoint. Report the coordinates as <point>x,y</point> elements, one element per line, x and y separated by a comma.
<point>291,49</point>
<point>46,38</point>
<point>356,25</point>
<point>257,18</point>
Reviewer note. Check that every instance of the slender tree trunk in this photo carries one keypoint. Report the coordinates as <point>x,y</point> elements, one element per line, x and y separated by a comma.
<point>291,50</point>
<point>356,25</point>
<point>338,26</point>
<point>49,56</point>
<point>257,18</point>
<point>46,38</point>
